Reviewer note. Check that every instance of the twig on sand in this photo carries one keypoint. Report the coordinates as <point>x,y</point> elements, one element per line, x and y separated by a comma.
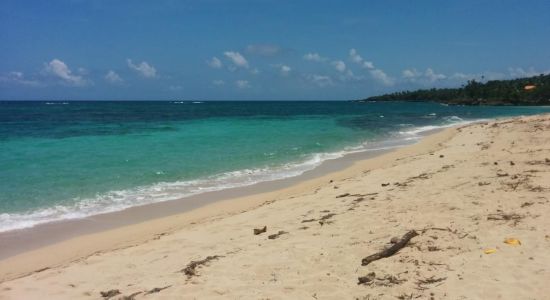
<point>391,250</point>
<point>110,293</point>
<point>276,235</point>
<point>422,282</point>
<point>343,195</point>
<point>504,217</point>
<point>156,290</point>
<point>131,296</point>
<point>325,219</point>
<point>190,269</point>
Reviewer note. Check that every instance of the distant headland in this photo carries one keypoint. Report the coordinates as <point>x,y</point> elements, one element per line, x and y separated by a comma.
<point>522,91</point>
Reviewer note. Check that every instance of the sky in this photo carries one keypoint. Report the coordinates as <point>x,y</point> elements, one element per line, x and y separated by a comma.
<point>263,49</point>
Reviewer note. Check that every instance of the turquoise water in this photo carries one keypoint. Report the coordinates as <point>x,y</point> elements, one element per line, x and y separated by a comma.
<point>62,160</point>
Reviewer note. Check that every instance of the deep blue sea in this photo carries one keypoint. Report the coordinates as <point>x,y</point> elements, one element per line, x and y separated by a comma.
<point>63,160</point>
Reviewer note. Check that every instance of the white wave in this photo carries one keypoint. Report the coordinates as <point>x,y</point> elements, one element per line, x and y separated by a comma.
<point>449,121</point>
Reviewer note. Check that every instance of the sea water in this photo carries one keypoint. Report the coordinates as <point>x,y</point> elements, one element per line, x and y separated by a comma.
<point>63,160</point>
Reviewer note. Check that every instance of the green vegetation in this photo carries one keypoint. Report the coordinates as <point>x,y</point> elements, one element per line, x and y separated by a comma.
<point>523,91</point>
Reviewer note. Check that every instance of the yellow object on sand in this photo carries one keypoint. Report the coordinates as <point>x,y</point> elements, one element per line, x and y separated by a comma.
<point>512,241</point>
<point>489,251</point>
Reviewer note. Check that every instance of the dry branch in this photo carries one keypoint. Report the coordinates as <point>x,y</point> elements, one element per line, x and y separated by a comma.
<point>190,269</point>
<point>391,250</point>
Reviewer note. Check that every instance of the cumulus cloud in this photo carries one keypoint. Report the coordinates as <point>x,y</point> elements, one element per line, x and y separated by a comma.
<point>376,73</point>
<point>520,72</point>
<point>242,84</point>
<point>113,77</point>
<point>144,69</point>
<point>59,69</point>
<point>428,76</point>
<point>356,58</point>
<point>320,80</point>
<point>237,59</point>
<point>339,65</point>
<point>410,73</point>
<point>433,76</point>
<point>214,63</point>
<point>314,57</point>
<point>382,77</point>
<point>263,49</point>
<point>19,78</point>
<point>218,82</point>
<point>285,70</point>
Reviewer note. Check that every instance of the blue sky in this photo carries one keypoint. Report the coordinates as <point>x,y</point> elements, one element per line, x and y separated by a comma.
<point>262,49</point>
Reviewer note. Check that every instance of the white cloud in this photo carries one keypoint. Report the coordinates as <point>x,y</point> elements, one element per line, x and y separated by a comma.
<point>263,49</point>
<point>377,74</point>
<point>432,76</point>
<point>520,72</point>
<point>428,76</point>
<point>19,78</point>
<point>113,77</point>
<point>255,71</point>
<point>215,63</point>
<point>218,82</point>
<point>285,70</point>
<point>144,69</point>
<point>242,84</point>
<point>237,59</point>
<point>320,80</point>
<point>410,73</point>
<point>356,58</point>
<point>60,70</point>
<point>382,77</point>
<point>339,65</point>
<point>314,57</point>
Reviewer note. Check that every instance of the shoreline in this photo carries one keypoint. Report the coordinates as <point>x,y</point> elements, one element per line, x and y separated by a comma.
<point>476,195</point>
<point>26,239</point>
<point>107,230</point>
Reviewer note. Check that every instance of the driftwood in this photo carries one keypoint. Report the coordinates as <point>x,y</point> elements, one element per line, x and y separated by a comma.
<point>260,230</point>
<point>110,293</point>
<point>276,235</point>
<point>190,269</point>
<point>391,250</point>
<point>156,290</point>
<point>504,217</point>
<point>325,219</point>
<point>131,296</point>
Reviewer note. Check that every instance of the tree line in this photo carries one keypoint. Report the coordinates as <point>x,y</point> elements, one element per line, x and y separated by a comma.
<point>522,91</point>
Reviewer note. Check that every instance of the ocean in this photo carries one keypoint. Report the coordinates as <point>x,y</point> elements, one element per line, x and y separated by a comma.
<point>65,160</point>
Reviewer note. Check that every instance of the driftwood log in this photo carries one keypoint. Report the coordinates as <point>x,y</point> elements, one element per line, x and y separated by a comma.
<point>191,269</point>
<point>391,250</point>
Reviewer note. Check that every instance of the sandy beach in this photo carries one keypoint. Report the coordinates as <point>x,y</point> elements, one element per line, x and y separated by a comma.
<point>476,197</point>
